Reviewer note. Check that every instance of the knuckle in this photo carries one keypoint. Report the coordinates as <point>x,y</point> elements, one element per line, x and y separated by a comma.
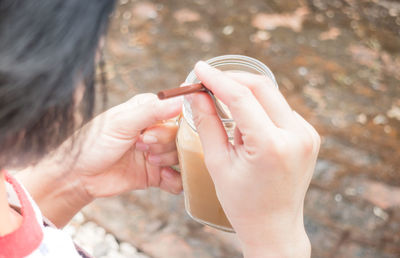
<point>153,108</point>
<point>145,96</point>
<point>199,120</point>
<point>263,143</point>
<point>277,149</point>
<point>144,99</point>
<point>280,149</point>
<point>306,145</point>
<point>239,95</point>
<point>145,102</point>
<point>152,103</point>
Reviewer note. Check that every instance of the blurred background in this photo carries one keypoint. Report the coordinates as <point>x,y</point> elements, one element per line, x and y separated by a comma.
<point>338,64</point>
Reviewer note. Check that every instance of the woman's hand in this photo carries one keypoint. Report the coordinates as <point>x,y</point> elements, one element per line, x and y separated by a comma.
<point>128,147</point>
<point>262,179</point>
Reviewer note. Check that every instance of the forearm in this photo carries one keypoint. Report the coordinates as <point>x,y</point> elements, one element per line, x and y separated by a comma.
<point>58,192</point>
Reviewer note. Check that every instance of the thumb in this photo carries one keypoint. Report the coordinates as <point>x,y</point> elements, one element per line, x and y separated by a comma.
<point>213,137</point>
<point>142,111</point>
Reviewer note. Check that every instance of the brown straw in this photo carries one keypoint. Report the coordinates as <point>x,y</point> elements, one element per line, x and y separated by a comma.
<point>192,88</point>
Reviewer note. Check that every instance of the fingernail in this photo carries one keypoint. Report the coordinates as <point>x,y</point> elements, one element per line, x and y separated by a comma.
<point>204,65</point>
<point>149,139</point>
<point>201,64</point>
<point>140,146</point>
<point>154,159</point>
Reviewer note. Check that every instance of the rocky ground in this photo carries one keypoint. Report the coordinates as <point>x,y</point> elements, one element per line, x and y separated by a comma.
<point>98,242</point>
<point>337,62</point>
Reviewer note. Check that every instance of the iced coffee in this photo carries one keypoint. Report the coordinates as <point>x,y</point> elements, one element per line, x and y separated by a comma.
<point>201,201</point>
<point>200,198</point>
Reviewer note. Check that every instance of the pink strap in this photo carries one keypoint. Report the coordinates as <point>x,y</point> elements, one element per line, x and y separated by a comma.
<point>29,235</point>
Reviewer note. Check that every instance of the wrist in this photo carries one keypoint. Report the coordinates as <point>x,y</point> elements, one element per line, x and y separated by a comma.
<point>279,237</point>
<point>285,246</point>
<point>58,192</point>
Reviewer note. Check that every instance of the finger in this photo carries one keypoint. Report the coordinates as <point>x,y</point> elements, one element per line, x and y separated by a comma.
<point>156,148</point>
<point>153,173</point>
<point>165,159</point>
<point>171,181</point>
<point>142,111</point>
<point>158,139</point>
<point>269,96</point>
<point>141,179</point>
<point>213,137</point>
<point>247,112</point>
<point>160,133</point>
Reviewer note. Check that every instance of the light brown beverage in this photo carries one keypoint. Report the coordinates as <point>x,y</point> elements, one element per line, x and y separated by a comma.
<point>200,198</point>
<point>201,201</point>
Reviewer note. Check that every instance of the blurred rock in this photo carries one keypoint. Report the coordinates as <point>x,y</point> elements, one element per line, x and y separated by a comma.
<point>331,34</point>
<point>144,11</point>
<point>355,250</point>
<point>228,30</point>
<point>362,119</point>
<point>186,15</point>
<point>260,36</point>
<point>204,35</point>
<point>326,172</point>
<point>322,236</point>
<point>177,236</point>
<point>293,21</point>
<point>394,112</point>
<point>379,120</point>
<point>380,194</point>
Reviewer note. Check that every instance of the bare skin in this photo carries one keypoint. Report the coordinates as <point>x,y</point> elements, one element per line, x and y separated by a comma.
<point>126,148</point>
<point>262,179</point>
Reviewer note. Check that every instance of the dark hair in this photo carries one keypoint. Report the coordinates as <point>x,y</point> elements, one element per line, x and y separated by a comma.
<point>47,50</point>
